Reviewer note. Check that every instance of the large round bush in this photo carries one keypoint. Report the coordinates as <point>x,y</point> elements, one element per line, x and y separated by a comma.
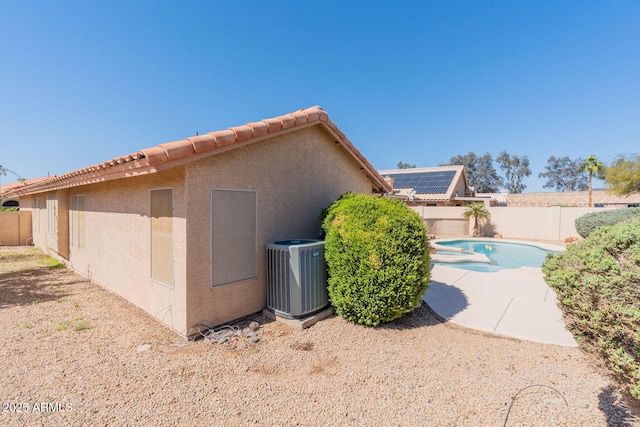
<point>378,258</point>
<point>588,223</point>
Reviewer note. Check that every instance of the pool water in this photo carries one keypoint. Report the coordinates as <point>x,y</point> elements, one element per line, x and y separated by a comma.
<point>502,255</point>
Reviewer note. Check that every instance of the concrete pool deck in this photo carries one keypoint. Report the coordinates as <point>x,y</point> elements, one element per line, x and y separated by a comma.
<point>511,302</point>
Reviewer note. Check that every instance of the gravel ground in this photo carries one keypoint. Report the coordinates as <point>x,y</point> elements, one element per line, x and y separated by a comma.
<point>74,354</point>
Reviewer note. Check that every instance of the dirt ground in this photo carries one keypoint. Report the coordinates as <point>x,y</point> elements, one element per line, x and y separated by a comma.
<point>75,354</point>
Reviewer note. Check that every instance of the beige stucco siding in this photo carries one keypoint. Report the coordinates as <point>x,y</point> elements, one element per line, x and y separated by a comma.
<point>295,175</point>
<point>459,190</point>
<point>36,205</point>
<point>63,224</point>
<point>117,248</point>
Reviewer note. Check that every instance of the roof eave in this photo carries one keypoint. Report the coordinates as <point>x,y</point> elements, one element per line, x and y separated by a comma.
<point>85,178</point>
<point>176,153</point>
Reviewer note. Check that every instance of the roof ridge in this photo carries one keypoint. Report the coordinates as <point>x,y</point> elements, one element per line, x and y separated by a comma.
<point>169,154</point>
<point>170,151</point>
<point>425,169</point>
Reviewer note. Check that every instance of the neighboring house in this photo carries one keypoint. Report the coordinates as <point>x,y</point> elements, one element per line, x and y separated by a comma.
<point>181,229</point>
<point>13,202</point>
<point>436,186</point>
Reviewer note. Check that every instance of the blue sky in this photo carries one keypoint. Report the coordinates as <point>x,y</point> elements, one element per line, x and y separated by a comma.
<point>414,81</point>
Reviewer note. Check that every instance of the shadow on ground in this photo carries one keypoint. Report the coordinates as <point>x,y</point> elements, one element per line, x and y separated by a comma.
<point>34,285</point>
<point>617,412</point>
<point>418,318</point>
<point>440,302</point>
<point>446,300</point>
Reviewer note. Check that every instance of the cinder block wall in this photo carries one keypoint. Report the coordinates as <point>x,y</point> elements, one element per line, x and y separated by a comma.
<point>15,228</point>
<point>538,223</point>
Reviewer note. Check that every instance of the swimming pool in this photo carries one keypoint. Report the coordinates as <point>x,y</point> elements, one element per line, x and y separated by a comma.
<point>499,255</point>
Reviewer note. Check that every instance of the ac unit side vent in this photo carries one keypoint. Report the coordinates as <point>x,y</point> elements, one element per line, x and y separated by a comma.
<point>296,277</point>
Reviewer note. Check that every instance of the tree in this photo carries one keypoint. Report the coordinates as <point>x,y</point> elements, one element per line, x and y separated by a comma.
<point>479,213</point>
<point>481,174</point>
<point>515,169</point>
<point>563,174</point>
<point>594,167</point>
<point>470,163</point>
<point>623,176</point>
<point>487,175</point>
<point>402,165</point>
<point>3,171</point>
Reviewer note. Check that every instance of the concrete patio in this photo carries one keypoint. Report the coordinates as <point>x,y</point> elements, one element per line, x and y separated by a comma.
<point>512,302</point>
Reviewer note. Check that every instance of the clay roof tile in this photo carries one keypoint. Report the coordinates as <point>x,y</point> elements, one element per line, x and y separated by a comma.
<point>301,117</point>
<point>243,133</point>
<point>202,143</point>
<point>259,128</point>
<point>224,137</point>
<point>288,121</point>
<point>155,155</point>
<point>178,149</point>
<point>317,113</point>
<point>273,125</point>
<point>172,153</point>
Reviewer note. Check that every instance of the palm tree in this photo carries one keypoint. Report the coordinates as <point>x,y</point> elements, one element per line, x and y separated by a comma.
<point>478,212</point>
<point>593,166</point>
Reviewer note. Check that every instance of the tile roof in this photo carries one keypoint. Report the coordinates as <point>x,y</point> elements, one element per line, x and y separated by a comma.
<point>6,188</point>
<point>170,154</point>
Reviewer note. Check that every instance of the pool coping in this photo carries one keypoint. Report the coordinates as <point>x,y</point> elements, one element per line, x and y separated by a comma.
<point>475,256</point>
<point>542,245</point>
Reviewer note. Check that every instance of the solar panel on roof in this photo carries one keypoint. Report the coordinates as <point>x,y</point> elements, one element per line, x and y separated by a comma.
<point>424,182</point>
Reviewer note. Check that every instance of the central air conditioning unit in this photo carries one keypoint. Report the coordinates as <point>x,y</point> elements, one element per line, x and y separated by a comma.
<point>296,277</point>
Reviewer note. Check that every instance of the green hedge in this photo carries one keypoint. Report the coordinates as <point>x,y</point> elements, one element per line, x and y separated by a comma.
<point>378,258</point>
<point>598,286</point>
<point>586,224</point>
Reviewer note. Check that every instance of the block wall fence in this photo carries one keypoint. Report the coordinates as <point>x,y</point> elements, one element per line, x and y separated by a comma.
<point>539,223</point>
<point>15,228</point>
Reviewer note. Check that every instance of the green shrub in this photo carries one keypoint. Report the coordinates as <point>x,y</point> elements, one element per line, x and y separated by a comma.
<point>378,258</point>
<point>598,286</point>
<point>325,211</point>
<point>586,224</point>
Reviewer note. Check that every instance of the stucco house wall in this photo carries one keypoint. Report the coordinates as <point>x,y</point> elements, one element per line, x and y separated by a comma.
<point>36,206</point>
<point>295,165</point>
<point>295,175</point>
<point>39,221</point>
<point>117,241</point>
<point>117,248</point>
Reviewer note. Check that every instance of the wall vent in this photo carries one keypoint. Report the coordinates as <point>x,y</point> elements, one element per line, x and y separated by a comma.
<point>296,277</point>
